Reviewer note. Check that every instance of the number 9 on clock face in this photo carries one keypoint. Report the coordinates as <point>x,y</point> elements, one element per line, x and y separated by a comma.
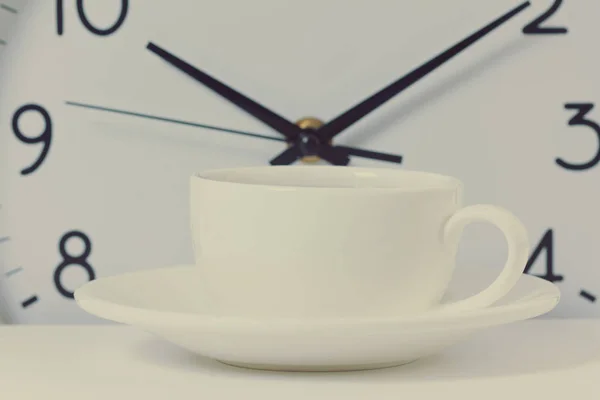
<point>107,107</point>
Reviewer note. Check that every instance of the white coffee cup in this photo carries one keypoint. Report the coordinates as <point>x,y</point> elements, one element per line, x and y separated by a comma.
<point>331,242</point>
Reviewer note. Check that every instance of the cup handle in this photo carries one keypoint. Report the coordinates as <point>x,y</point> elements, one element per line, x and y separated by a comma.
<point>516,237</point>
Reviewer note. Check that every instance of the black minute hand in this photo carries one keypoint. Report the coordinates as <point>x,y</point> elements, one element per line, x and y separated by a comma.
<point>345,120</point>
<point>275,121</point>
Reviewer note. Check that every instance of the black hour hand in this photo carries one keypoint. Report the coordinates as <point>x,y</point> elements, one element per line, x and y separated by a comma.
<point>336,155</point>
<point>374,155</point>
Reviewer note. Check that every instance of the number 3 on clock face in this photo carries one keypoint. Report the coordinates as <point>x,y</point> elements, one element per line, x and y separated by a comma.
<point>98,141</point>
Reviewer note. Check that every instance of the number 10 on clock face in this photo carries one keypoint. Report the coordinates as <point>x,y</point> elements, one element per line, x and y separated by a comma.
<point>107,107</point>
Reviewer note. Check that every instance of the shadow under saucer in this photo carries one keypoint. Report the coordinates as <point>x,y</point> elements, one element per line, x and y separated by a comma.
<point>504,351</point>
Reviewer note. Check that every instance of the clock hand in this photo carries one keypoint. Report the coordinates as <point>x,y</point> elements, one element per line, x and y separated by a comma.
<point>287,157</point>
<point>333,155</point>
<point>348,118</point>
<point>270,118</point>
<point>351,151</point>
<point>171,120</point>
<point>294,152</point>
<point>326,133</point>
<point>326,152</point>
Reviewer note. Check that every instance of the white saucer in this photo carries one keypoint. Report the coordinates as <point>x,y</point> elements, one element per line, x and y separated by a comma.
<point>168,303</point>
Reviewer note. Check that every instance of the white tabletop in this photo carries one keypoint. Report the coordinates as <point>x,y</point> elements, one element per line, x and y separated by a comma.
<point>537,359</point>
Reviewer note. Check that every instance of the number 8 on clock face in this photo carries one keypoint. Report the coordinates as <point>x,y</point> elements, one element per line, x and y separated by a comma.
<point>107,107</point>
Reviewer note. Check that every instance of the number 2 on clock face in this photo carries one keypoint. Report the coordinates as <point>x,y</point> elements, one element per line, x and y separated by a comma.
<point>537,27</point>
<point>230,84</point>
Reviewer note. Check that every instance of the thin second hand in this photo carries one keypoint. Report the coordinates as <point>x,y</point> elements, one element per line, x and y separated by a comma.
<point>171,120</point>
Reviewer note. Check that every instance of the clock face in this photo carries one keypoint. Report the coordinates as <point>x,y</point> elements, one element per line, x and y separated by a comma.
<point>107,107</point>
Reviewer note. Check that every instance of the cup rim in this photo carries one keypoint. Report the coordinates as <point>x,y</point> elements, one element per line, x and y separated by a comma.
<point>439,181</point>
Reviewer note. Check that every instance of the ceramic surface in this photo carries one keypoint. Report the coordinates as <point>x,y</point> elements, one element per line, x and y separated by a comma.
<point>167,302</point>
<point>330,241</point>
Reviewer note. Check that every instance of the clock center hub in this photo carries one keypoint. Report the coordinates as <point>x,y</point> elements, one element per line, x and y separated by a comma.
<point>309,141</point>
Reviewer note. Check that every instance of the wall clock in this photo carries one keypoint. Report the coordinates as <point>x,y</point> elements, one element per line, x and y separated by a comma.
<point>106,108</point>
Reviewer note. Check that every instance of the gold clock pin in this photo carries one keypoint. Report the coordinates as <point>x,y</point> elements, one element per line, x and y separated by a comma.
<point>310,123</point>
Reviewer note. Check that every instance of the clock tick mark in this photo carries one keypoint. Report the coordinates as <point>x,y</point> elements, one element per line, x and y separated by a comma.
<point>2,42</point>
<point>4,239</point>
<point>29,301</point>
<point>8,8</point>
<point>13,272</point>
<point>588,296</point>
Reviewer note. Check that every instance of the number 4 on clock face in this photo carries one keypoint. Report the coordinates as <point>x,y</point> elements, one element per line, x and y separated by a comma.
<point>545,248</point>
<point>546,245</point>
